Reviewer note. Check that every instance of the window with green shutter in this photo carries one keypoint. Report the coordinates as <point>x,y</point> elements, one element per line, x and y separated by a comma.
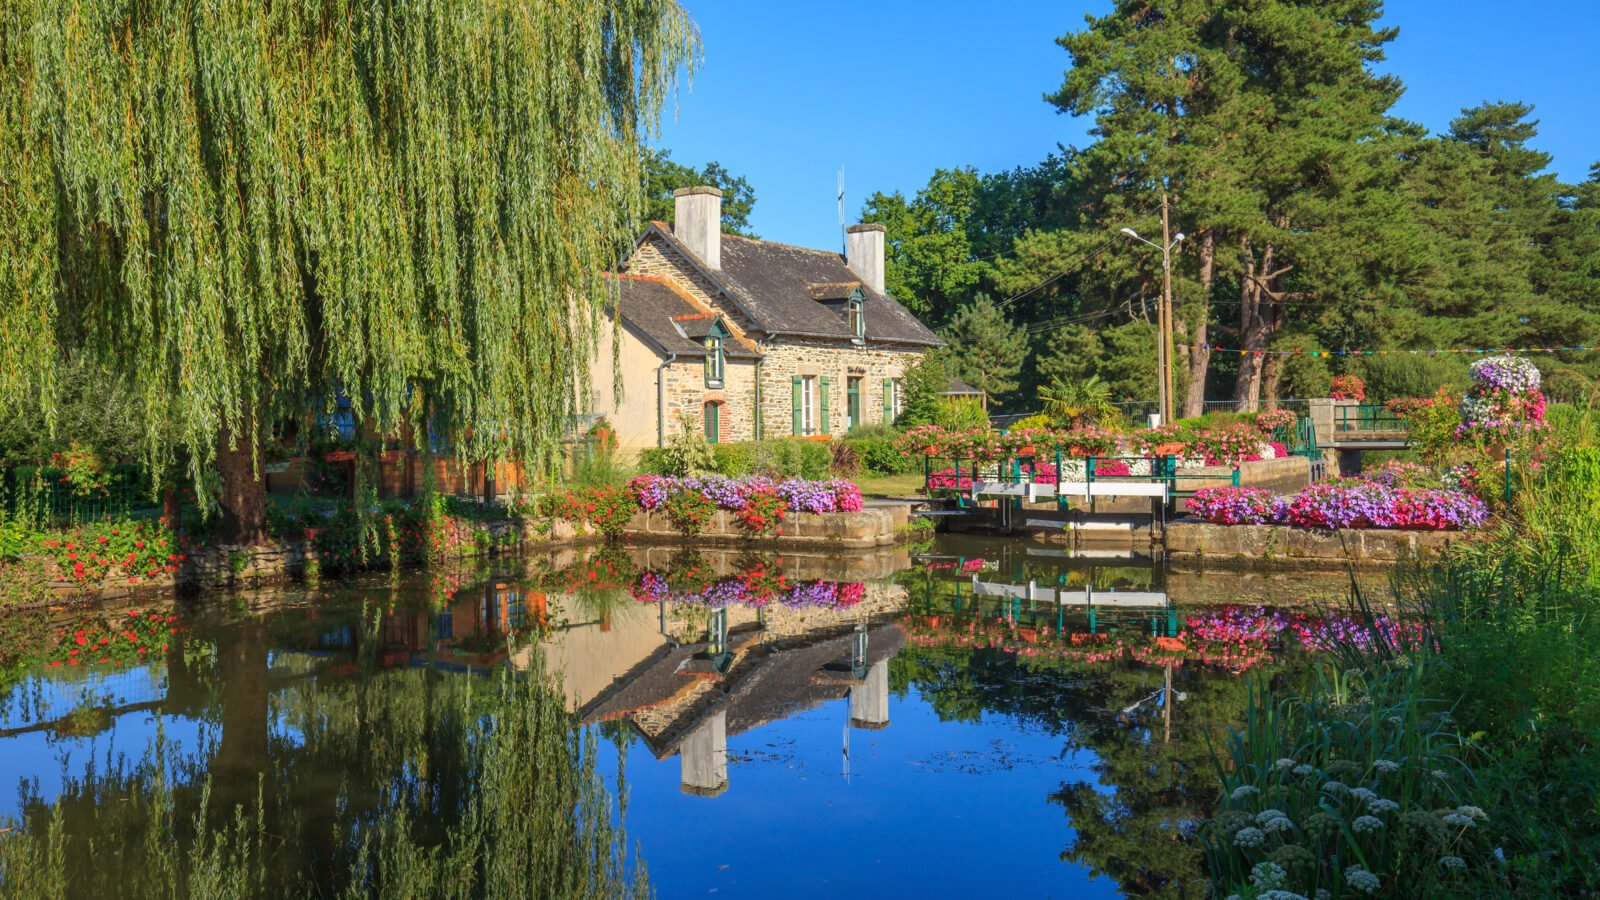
<point>852,404</point>
<point>713,423</point>
<point>888,401</point>
<point>799,408</point>
<point>823,426</point>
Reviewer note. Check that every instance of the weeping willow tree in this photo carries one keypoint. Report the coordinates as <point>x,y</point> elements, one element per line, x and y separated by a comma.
<point>250,208</point>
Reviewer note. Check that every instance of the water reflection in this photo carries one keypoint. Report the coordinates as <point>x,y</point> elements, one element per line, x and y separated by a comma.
<point>854,696</point>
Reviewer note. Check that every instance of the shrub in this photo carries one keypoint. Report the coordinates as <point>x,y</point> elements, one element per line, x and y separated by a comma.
<point>653,461</point>
<point>732,460</point>
<point>879,456</point>
<point>960,413</point>
<point>845,462</point>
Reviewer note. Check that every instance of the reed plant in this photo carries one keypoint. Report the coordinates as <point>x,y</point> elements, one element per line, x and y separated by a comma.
<point>1473,750</point>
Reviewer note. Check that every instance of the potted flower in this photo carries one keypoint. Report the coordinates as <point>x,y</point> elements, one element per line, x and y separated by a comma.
<point>1348,387</point>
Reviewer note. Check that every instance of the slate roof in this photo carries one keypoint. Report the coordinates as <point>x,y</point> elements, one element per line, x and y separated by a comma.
<point>777,286</point>
<point>668,317</point>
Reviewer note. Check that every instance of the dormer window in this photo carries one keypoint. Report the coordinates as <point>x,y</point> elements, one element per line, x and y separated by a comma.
<point>716,359</point>
<point>858,318</point>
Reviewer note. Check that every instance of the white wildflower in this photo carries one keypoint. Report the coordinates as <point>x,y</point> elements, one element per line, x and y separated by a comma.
<point>1302,770</point>
<point>1364,824</point>
<point>1440,774</point>
<point>1279,824</point>
<point>1266,876</point>
<point>1472,812</point>
<point>1280,895</point>
<point>1364,795</point>
<point>1361,880</point>
<point>1244,791</point>
<point>1452,862</point>
<point>1249,837</point>
<point>1457,820</point>
<point>1380,806</point>
<point>1267,815</point>
<point>1386,766</point>
<point>1336,788</point>
<point>1282,764</point>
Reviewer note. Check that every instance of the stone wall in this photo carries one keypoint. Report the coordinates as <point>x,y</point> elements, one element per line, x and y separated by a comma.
<point>837,362</point>
<point>1202,543</point>
<point>686,395</point>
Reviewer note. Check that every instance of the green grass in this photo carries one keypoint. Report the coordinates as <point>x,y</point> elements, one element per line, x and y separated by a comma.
<point>891,486</point>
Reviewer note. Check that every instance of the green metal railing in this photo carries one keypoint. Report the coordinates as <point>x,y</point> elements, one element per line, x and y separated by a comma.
<point>1366,417</point>
<point>42,495</point>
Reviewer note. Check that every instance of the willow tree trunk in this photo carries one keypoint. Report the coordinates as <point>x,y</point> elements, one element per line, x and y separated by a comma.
<point>241,492</point>
<point>1194,398</point>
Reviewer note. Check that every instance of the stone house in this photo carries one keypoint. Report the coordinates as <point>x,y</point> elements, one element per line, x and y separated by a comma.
<point>747,339</point>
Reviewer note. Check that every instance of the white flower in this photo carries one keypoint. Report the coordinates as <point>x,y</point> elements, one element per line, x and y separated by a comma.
<point>1452,862</point>
<point>1364,795</point>
<point>1386,766</point>
<point>1267,876</point>
<point>1302,770</point>
<point>1440,774</point>
<point>1458,820</point>
<point>1249,837</point>
<point>1380,806</point>
<point>1282,764</point>
<point>1361,880</point>
<point>1267,815</point>
<point>1336,788</point>
<point>1472,812</point>
<point>1280,895</point>
<point>1275,825</point>
<point>1244,791</point>
<point>1364,824</point>
<point>1324,894</point>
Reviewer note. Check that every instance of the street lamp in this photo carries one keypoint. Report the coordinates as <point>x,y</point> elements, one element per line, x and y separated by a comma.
<point>1163,317</point>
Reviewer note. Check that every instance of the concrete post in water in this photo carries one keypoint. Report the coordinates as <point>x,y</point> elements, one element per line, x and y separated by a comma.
<point>869,700</point>
<point>704,756</point>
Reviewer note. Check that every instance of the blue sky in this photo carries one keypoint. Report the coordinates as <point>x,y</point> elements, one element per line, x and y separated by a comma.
<point>791,92</point>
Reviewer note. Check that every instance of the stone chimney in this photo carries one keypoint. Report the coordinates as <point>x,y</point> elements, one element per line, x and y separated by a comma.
<point>697,221</point>
<point>863,253</point>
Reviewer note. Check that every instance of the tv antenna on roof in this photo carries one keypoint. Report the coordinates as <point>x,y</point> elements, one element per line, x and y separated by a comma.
<point>841,207</point>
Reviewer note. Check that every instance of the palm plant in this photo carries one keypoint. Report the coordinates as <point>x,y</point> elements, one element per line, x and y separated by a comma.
<point>1079,403</point>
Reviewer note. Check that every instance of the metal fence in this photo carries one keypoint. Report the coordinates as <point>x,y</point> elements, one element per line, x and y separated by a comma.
<point>43,495</point>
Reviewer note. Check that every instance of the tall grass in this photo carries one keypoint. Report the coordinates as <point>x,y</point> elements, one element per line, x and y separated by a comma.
<point>1488,732</point>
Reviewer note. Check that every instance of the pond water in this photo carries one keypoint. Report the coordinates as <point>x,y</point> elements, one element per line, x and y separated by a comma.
<point>978,718</point>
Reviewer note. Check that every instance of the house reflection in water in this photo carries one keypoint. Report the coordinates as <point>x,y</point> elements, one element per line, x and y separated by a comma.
<point>680,702</point>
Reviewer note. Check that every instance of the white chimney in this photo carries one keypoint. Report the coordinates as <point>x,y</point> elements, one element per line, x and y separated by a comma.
<point>863,253</point>
<point>697,221</point>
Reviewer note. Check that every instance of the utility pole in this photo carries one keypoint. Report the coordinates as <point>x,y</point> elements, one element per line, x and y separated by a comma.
<point>1165,365</point>
<point>1163,309</point>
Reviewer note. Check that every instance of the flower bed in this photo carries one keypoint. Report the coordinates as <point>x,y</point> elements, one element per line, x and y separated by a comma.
<point>90,554</point>
<point>759,504</point>
<point>1223,445</point>
<point>1238,506</point>
<point>1504,402</point>
<point>1351,504</point>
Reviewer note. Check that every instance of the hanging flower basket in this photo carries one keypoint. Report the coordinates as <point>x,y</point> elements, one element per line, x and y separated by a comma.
<point>339,456</point>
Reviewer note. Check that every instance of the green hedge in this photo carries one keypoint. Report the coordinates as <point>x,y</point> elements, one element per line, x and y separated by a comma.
<point>778,458</point>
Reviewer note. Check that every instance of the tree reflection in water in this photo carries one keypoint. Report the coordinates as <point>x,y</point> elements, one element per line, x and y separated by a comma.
<point>1156,782</point>
<point>394,782</point>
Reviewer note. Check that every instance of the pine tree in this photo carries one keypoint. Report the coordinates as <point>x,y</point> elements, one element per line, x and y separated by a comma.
<point>987,348</point>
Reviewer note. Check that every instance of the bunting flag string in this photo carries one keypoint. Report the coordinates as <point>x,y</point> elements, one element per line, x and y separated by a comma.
<point>1331,353</point>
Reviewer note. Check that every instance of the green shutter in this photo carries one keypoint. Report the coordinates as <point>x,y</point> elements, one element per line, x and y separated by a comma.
<point>888,401</point>
<point>823,427</point>
<point>796,431</point>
